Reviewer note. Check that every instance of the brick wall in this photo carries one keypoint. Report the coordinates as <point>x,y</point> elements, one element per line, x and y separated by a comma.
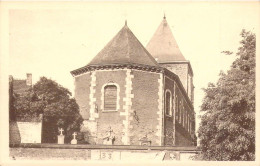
<point>179,69</point>
<point>176,132</point>
<point>190,85</point>
<point>112,119</point>
<point>182,136</point>
<point>185,75</point>
<point>169,127</point>
<point>145,104</point>
<point>89,94</point>
<point>140,107</point>
<point>82,90</point>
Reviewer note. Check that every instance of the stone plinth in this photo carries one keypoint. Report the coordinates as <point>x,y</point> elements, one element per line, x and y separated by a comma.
<point>60,139</point>
<point>73,141</point>
<point>108,142</point>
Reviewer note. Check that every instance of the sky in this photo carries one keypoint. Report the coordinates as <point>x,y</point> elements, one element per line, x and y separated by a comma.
<point>52,39</point>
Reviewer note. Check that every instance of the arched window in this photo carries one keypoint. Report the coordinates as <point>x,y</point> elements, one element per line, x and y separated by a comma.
<point>168,103</point>
<point>110,97</point>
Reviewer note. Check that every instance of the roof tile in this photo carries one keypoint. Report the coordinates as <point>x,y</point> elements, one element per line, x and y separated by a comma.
<point>124,48</point>
<point>163,45</point>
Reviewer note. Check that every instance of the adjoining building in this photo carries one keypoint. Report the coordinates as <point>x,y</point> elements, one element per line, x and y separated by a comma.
<point>141,95</point>
<point>19,86</point>
<point>21,131</point>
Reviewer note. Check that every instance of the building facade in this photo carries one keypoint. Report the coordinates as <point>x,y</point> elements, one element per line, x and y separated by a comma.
<point>22,131</point>
<point>134,95</point>
<point>19,86</point>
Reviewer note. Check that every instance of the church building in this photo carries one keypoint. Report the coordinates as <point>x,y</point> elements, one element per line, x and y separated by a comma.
<point>139,95</point>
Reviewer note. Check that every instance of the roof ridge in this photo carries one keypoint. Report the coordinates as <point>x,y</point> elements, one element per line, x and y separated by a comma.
<point>147,52</point>
<point>128,47</point>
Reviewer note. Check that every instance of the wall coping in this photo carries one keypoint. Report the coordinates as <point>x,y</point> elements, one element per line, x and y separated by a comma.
<point>111,147</point>
<point>90,68</point>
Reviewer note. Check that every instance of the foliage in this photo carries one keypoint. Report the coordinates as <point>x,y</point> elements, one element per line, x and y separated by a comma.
<point>227,129</point>
<point>54,102</point>
<point>11,100</point>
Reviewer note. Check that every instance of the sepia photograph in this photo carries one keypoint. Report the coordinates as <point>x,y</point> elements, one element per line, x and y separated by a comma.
<point>119,81</point>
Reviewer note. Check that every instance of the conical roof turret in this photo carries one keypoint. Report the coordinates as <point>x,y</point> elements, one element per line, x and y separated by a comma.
<point>163,46</point>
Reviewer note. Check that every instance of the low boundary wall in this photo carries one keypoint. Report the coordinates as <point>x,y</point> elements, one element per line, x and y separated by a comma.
<point>25,132</point>
<point>29,151</point>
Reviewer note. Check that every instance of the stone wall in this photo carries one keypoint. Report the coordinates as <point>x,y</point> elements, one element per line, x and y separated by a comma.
<point>99,154</point>
<point>49,154</point>
<point>25,132</point>
<point>14,134</point>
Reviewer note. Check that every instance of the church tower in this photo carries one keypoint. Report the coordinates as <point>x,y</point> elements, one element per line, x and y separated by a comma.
<point>164,48</point>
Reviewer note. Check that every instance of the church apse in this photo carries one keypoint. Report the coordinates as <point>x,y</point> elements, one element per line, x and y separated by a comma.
<point>127,98</point>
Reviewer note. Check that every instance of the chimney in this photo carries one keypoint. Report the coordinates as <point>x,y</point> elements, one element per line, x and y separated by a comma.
<point>11,78</point>
<point>29,79</point>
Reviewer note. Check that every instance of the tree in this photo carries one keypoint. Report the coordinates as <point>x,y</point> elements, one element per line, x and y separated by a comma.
<point>54,102</point>
<point>227,128</point>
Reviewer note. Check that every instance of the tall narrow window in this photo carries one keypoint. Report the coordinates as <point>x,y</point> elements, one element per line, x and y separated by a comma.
<point>180,111</point>
<point>168,104</point>
<point>183,116</point>
<point>186,120</point>
<point>190,126</point>
<point>177,108</point>
<point>110,97</point>
<point>189,123</point>
<point>173,105</point>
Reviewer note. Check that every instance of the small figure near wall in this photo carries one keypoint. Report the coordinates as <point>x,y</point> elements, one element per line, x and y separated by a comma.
<point>109,137</point>
<point>61,137</point>
<point>74,140</point>
<point>144,141</point>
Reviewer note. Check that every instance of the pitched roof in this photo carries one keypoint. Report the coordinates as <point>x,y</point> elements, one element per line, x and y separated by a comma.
<point>163,45</point>
<point>124,48</point>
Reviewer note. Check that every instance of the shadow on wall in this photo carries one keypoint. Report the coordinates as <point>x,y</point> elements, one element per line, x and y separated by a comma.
<point>49,130</point>
<point>14,133</point>
<point>85,137</point>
